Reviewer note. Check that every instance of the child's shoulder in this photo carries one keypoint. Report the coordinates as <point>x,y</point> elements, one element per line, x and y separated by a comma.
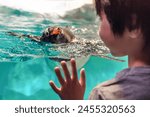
<point>128,82</point>
<point>106,90</point>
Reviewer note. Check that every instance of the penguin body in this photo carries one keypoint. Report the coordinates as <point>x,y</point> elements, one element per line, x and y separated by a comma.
<point>55,35</point>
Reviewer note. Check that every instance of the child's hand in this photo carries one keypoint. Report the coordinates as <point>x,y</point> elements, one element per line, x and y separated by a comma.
<point>71,88</point>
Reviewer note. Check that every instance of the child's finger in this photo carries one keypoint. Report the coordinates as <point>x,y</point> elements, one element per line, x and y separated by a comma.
<point>74,69</point>
<point>57,90</point>
<point>82,78</point>
<point>59,76</point>
<point>66,71</point>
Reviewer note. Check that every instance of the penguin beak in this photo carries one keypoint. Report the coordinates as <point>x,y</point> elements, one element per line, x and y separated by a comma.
<point>56,31</point>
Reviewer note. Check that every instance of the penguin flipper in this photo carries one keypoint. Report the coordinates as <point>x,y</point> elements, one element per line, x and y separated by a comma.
<point>34,38</point>
<point>14,34</point>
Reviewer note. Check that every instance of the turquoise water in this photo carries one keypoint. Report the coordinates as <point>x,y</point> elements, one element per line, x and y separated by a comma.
<point>25,67</point>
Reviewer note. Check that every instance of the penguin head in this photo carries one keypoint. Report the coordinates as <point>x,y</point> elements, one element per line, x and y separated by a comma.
<point>56,35</point>
<point>50,34</point>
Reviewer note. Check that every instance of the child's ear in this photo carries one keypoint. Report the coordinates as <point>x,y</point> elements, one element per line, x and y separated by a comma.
<point>135,33</point>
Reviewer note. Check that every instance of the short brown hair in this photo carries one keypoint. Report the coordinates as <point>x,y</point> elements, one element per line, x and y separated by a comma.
<point>120,15</point>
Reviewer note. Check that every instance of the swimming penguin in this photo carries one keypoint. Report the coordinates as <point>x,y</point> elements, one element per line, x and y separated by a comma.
<point>56,35</point>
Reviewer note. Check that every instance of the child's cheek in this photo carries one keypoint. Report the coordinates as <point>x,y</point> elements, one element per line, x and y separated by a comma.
<point>103,32</point>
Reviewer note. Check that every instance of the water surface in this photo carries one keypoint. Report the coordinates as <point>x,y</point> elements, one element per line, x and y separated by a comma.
<point>26,66</point>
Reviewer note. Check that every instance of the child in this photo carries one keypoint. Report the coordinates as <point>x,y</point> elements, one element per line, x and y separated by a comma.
<point>125,29</point>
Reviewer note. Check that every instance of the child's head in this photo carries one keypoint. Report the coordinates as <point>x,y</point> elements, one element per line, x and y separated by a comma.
<point>131,15</point>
